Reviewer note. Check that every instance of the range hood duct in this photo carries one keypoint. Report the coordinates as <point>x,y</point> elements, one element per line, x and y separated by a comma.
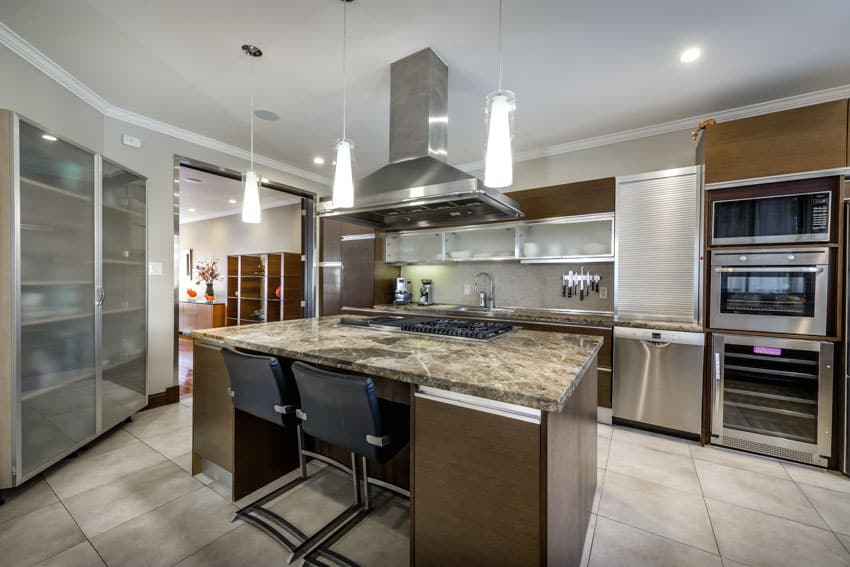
<point>418,188</point>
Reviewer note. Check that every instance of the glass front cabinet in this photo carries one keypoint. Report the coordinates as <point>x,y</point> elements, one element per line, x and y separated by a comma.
<point>73,300</point>
<point>582,238</point>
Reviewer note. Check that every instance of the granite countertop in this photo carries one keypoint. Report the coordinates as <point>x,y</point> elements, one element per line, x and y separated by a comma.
<point>517,314</point>
<point>534,369</point>
<point>661,325</point>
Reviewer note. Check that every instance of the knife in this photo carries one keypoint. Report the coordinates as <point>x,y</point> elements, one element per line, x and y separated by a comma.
<point>571,284</point>
<point>596,279</point>
<point>563,285</point>
<point>581,279</point>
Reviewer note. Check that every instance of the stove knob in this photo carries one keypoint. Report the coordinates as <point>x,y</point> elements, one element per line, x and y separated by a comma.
<point>790,257</point>
<point>742,258</point>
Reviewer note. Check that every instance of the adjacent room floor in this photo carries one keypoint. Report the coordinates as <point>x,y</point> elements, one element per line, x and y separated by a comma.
<point>185,365</point>
<point>129,500</point>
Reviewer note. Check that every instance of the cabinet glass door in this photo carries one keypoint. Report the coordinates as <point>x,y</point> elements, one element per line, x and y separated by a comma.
<point>418,248</point>
<point>490,243</point>
<point>590,238</point>
<point>123,316</point>
<point>57,268</point>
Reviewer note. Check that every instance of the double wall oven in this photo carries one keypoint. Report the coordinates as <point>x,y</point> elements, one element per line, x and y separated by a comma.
<point>770,282</point>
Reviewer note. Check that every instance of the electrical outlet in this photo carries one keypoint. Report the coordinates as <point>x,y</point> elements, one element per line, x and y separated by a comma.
<point>603,292</point>
<point>467,289</point>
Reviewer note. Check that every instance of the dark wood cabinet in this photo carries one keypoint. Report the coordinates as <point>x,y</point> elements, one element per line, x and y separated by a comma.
<point>811,138</point>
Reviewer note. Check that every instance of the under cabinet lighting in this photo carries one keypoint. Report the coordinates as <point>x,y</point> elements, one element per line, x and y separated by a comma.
<point>319,160</point>
<point>49,138</point>
<point>232,201</point>
<point>690,55</point>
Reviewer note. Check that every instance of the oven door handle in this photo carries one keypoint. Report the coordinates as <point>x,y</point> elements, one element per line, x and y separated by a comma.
<point>808,269</point>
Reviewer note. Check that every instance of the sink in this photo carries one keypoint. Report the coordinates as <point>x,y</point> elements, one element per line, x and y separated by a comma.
<point>472,309</point>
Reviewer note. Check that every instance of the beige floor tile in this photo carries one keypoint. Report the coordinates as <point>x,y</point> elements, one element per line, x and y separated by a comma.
<point>604,430</point>
<point>664,511</point>
<point>818,477</point>
<point>102,508</point>
<point>158,421</point>
<point>730,563</point>
<point>758,539</point>
<point>81,555</point>
<point>34,494</point>
<point>757,491</point>
<point>37,536</point>
<point>85,472</point>
<point>382,537</point>
<point>619,544</point>
<point>653,440</point>
<point>675,471</point>
<point>168,534</point>
<point>184,461</point>
<point>588,540</point>
<point>246,546</point>
<point>313,504</point>
<point>171,444</point>
<point>109,441</point>
<point>603,446</point>
<point>833,506</point>
<point>845,540</point>
<point>740,460</point>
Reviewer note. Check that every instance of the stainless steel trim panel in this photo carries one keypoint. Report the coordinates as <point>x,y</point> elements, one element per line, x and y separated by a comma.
<point>503,409</point>
<point>367,236</point>
<point>99,292</point>
<point>814,260</point>
<point>658,246</point>
<point>17,448</point>
<point>778,178</point>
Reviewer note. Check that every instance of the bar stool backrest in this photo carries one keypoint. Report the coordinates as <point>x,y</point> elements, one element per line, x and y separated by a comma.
<point>339,409</point>
<point>258,386</point>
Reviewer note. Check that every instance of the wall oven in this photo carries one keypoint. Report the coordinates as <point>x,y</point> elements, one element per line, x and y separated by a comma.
<point>781,219</point>
<point>773,396</point>
<point>771,291</point>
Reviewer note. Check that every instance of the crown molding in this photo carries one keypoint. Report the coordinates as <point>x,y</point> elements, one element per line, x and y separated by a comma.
<point>29,53</point>
<point>690,123</point>
<point>40,61</point>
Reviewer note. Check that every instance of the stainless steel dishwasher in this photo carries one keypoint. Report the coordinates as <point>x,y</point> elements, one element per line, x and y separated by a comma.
<point>658,378</point>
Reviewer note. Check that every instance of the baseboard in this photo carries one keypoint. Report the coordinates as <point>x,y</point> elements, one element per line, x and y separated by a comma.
<point>604,415</point>
<point>171,395</point>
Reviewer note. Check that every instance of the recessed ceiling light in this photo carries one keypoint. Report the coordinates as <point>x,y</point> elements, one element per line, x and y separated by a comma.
<point>177,194</point>
<point>319,160</point>
<point>690,55</point>
<point>192,180</point>
<point>191,210</point>
<point>266,115</point>
<point>49,138</point>
<point>232,201</point>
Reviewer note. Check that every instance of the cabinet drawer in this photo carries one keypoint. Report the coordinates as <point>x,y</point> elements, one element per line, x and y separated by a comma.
<point>798,140</point>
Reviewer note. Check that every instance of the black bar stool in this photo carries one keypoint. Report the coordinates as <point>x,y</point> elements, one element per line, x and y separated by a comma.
<point>345,411</point>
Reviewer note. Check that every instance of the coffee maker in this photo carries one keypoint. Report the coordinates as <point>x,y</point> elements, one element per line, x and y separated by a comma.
<point>402,295</point>
<point>426,293</point>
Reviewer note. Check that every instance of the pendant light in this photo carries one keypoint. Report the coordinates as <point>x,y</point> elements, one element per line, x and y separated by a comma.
<point>251,212</point>
<point>498,153</point>
<point>343,187</point>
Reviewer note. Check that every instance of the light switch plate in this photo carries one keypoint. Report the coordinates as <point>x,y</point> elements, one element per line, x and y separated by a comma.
<point>154,268</point>
<point>603,292</point>
<point>467,289</point>
<point>131,141</point>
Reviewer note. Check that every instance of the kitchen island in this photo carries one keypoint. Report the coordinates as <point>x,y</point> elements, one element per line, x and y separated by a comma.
<point>502,461</point>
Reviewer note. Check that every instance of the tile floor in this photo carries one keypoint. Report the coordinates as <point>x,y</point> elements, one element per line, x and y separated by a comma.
<point>129,500</point>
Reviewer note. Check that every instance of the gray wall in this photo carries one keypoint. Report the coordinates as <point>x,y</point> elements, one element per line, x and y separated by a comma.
<point>280,231</point>
<point>517,285</point>
<point>27,91</point>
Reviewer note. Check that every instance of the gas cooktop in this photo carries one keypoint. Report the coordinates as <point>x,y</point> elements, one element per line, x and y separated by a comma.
<point>449,328</point>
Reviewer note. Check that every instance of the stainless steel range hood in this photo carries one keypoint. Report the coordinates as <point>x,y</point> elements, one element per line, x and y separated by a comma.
<point>418,188</point>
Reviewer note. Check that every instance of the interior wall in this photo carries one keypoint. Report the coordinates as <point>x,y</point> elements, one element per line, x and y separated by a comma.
<point>517,285</point>
<point>27,91</point>
<point>280,231</point>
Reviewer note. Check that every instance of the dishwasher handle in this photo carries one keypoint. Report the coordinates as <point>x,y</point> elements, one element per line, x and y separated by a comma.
<point>657,344</point>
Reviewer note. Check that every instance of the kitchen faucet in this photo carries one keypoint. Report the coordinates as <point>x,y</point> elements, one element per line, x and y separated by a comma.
<point>485,300</point>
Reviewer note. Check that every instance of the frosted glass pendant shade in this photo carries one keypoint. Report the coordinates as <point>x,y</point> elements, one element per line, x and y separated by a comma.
<point>251,212</point>
<point>498,157</point>
<point>343,188</point>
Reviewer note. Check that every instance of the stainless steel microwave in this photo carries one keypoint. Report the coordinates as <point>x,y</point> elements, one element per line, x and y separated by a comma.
<point>771,291</point>
<point>781,219</point>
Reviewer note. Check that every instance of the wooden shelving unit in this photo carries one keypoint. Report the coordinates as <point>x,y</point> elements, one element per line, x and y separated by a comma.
<point>248,290</point>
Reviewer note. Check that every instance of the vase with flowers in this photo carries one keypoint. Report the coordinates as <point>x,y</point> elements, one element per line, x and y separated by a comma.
<point>208,273</point>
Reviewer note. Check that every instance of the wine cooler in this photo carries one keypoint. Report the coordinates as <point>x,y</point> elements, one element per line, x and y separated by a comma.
<point>773,396</point>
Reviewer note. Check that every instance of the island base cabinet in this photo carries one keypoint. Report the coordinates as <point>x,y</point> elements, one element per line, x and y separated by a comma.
<point>496,490</point>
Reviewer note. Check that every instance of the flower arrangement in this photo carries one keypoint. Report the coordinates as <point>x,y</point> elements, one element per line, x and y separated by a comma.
<point>207,271</point>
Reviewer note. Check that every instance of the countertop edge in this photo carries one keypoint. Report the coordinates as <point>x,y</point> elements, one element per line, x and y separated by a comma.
<point>563,320</point>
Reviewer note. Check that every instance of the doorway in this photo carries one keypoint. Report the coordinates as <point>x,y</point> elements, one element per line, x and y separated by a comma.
<point>228,273</point>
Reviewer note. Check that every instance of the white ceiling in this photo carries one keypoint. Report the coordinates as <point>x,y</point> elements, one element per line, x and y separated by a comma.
<point>580,69</point>
<point>210,195</point>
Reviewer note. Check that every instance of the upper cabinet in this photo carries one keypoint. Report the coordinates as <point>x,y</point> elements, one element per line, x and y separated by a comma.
<point>811,138</point>
<point>481,243</point>
<point>584,238</point>
<point>414,247</point>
